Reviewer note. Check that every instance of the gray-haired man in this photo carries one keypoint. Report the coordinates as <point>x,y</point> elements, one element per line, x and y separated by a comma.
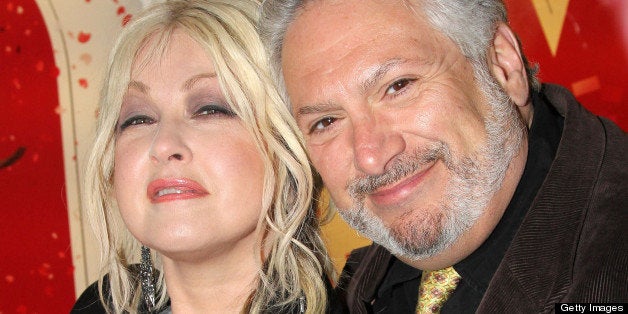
<point>435,140</point>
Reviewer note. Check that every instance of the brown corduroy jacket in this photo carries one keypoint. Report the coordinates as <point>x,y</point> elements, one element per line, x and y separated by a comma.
<point>572,245</point>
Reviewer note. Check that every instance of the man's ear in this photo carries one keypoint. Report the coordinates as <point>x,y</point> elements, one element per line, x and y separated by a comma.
<point>507,65</point>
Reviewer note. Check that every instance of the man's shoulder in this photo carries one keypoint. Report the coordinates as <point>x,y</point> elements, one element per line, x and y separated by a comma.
<point>574,236</point>
<point>591,155</point>
<point>579,119</point>
<point>602,250</point>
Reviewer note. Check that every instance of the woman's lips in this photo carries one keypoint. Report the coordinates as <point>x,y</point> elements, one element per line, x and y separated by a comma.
<point>398,193</point>
<point>166,190</point>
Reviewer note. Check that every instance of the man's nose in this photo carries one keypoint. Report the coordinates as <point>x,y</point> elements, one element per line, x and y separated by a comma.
<point>375,144</point>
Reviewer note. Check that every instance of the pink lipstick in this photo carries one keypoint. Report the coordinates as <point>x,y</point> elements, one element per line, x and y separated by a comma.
<point>166,190</point>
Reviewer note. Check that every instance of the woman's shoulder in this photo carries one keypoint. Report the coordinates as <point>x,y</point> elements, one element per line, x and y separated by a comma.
<point>89,301</point>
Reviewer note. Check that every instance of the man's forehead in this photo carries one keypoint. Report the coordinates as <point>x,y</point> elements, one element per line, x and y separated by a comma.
<point>328,51</point>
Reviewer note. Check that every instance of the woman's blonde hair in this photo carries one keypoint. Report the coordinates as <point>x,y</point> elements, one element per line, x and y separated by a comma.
<point>296,264</point>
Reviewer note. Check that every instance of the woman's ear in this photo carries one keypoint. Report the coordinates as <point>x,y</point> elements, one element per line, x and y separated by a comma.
<point>507,65</point>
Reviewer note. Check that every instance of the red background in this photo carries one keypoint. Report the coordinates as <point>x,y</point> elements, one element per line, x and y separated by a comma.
<point>592,47</point>
<point>36,264</point>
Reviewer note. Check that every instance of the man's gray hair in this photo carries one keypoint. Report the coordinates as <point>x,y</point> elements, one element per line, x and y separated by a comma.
<point>471,24</point>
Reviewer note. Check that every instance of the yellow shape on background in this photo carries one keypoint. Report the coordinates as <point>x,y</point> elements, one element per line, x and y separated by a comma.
<point>551,14</point>
<point>338,236</point>
<point>585,86</point>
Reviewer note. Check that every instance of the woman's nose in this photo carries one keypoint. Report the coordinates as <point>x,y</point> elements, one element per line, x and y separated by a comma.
<point>169,143</point>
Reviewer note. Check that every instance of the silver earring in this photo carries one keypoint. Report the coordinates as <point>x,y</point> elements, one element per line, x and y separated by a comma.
<point>302,304</point>
<point>146,278</point>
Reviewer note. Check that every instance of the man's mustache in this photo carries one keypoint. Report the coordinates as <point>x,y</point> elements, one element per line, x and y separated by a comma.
<point>402,166</point>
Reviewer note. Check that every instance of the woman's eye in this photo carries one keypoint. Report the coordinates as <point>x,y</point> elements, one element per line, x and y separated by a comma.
<point>210,110</point>
<point>322,124</point>
<point>136,120</point>
<point>397,86</point>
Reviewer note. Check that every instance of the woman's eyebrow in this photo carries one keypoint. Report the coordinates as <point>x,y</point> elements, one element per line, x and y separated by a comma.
<point>141,87</point>
<point>194,79</point>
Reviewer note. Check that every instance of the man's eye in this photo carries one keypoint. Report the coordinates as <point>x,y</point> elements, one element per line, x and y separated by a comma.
<point>136,120</point>
<point>209,110</point>
<point>322,124</point>
<point>397,86</point>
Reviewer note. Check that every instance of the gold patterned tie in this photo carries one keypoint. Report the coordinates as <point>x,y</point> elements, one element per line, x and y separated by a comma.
<point>436,286</point>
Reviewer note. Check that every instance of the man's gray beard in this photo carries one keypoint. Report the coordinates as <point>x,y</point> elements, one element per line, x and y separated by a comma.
<point>475,180</point>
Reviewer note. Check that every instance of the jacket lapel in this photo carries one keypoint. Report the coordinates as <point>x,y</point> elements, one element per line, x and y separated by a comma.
<point>537,268</point>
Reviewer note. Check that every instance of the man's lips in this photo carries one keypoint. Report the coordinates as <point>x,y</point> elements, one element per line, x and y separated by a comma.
<point>165,190</point>
<point>398,193</point>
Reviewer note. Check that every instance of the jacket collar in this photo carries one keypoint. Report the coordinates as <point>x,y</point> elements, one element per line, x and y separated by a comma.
<point>538,263</point>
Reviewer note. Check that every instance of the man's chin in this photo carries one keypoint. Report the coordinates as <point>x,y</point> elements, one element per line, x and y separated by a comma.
<point>402,245</point>
<point>418,250</point>
<point>402,240</point>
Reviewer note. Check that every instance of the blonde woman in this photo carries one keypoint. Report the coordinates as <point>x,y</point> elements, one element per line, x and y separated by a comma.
<point>196,164</point>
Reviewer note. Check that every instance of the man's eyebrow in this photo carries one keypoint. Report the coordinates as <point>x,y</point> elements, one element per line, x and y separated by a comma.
<point>194,79</point>
<point>315,108</point>
<point>378,72</point>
